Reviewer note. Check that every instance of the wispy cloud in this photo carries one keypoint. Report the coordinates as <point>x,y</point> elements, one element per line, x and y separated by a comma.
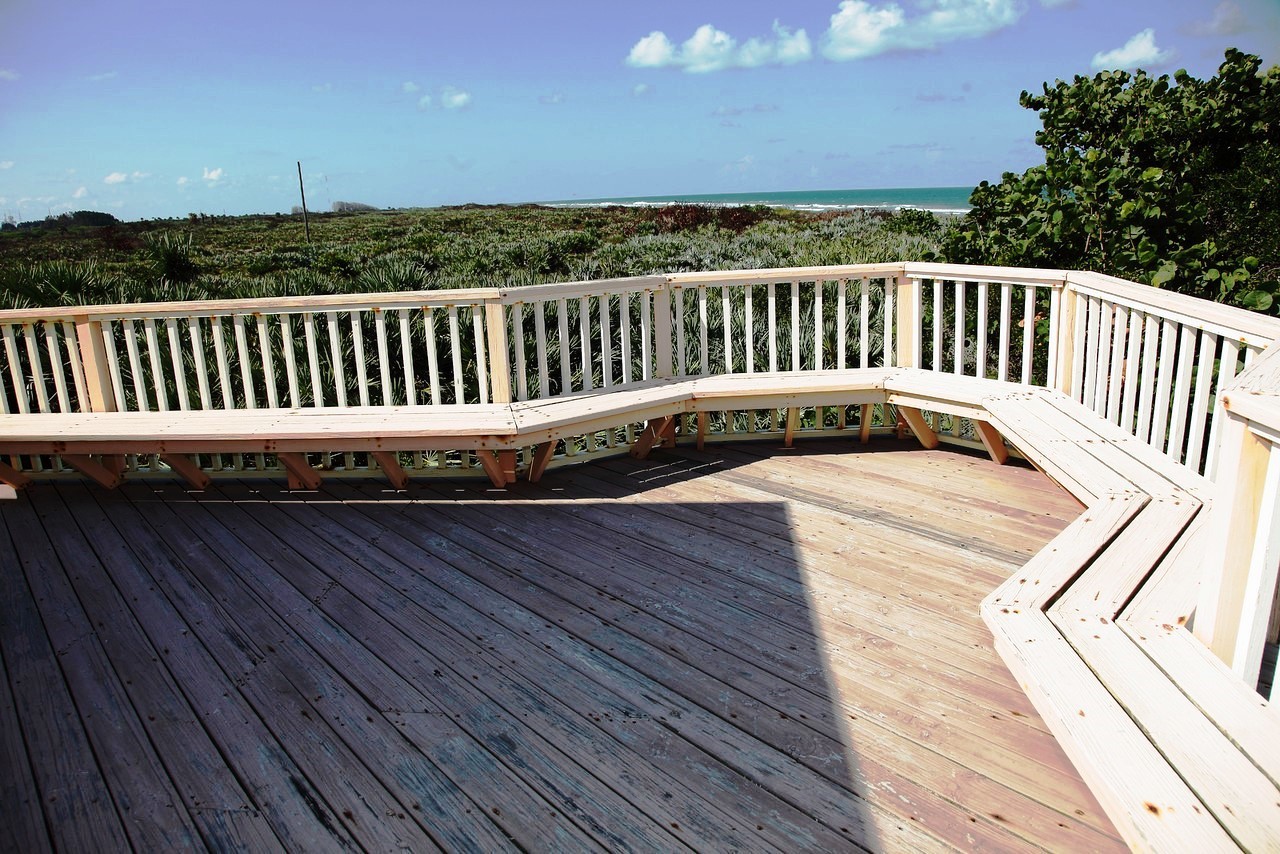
<point>9,74</point>
<point>80,193</point>
<point>138,176</point>
<point>322,87</point>
<point>106,75</point>
<point>115,178</point>
<point>1228,20</point>
<point>711,49</point>
<point>640,90</point>
<point>6,164</point>
<point>409,87</point>
<point>1137,51</point>
<point>183,181</point>
<point>553,98</point>
<point>938,98</point>
<point>740,111</point>
<point>212,176</point>
<point>860,29</point>
<point>454,99</point>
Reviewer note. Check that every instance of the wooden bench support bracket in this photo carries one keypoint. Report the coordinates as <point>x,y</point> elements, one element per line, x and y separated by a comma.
<point>492,467</point>
<point>187,468</point>
<point>702,430</point>
<point>12,477</point>
<point>301,474</point>
<point>992,441</point>
<point>864,423</point>
<point>793,420</point>
<point>915,419</point>
<point>655,432</point>
<point>105,474</point>
<point>389,462</point>
<point>541,459</point>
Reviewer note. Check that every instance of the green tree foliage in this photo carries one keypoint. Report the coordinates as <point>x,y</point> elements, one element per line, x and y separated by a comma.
<point>1171,182</point>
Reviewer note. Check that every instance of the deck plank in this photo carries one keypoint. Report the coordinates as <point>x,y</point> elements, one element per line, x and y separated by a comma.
<point>705,650</point>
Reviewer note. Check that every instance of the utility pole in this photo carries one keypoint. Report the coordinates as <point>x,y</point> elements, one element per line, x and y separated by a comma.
<point>305,223</point>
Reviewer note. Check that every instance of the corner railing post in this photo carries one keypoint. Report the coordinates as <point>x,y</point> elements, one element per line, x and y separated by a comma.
<point>1064,334</point>
<point>495,317</point>
<point>907,307</point>
<point>662,350</point>
<point>93,360</point>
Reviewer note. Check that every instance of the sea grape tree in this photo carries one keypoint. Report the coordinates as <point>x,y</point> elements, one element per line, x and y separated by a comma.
<point>1171,181</point>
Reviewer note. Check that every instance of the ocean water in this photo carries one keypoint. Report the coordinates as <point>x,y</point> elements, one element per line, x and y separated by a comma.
<point>939,199</point>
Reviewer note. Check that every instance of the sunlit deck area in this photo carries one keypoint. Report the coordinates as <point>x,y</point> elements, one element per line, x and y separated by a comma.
<point>748,648</point>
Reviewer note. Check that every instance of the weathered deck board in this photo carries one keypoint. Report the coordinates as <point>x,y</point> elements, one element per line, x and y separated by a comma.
<point>781,653</point>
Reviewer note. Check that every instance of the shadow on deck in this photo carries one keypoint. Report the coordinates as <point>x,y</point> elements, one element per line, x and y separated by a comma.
<point>743,648</point>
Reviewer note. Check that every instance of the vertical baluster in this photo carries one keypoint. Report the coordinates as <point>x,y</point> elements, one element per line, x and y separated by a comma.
<point>15,370</point>
<point>1102,358</point>
<point>56,371</point>
<point>980,356</point>
<point>818,338</point>
<point>1079,333</point>
<point>482,359</point>
<point>562,327</point>
<point>888,358</point>
<point>540,333</point>
<point>157,373</point>
<point>384,355</point>
<point>357,345</point>
<point>175,361</point>
<point>1055,305</point>
<point>864,324</point>
<point>268,362</point>
<point>224,368</point>
<point>681,344</point>
<point>958,345</point>
<point>842,322</point>
<point>518,342</point>
<point>290,360</point>
<point>1200,400</point>
<point>646,335</point>
<point>195,331</point>
<point>703,345</point>
<point>795,325</point>
<point>1028,331</point>
<point>1229,362</point>
<point>37,367</point>
<point>455,354</point>
<point>584,329</point>
<point>773,327</point>
<point>624,330</point>
<point>1131,371</point>
<point>1164,384</point>
<point>313,358</point>
<point>246,366</point>
<point>433,357</point>
<point>336,358</point>
<point>749,335</point>
<point>135,365</point>
<point>1006,321</point>
<point>406,358</point>
<point>938,323</point>
<point>70,338</point>
<point>606,340</point>
<point>726,317</point>
<point>1181,392</point>
<point>1147,386</point>
<point>1094,333</point>
<point>1116,377</point>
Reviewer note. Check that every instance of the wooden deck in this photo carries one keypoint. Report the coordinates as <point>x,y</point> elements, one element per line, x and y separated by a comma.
<point>746,648</point>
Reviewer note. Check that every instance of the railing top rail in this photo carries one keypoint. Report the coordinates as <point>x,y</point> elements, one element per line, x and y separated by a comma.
<point>592,287</point>
<point>982,273</point>
<point>1249,327</point>
<point>786,274</point>
<point>268,305</point>
<point>1255,394</point>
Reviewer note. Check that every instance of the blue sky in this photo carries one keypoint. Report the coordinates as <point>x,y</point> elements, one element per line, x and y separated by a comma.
<point>155,109</point>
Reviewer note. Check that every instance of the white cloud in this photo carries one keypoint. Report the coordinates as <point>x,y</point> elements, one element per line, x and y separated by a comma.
<point>213,176</point>
<point>1228,20</point>
<point>106,75</point>
<point>640,90</point>
<point>9,74</point>
<point>323,87</point>
<point>424,103</point>
<point>6,164</point>
<point>653,51</point>
<point>183,181</point>
<point>860,29</point>
<point>80,193</point>
<point>1052,4</point>
<point>1139,50</point>
<point>454,99</point>
<point>711,49</point>
<point>409,87</point>
<point>138,176</point>
<point>115,178</point>
<point>553,98</point>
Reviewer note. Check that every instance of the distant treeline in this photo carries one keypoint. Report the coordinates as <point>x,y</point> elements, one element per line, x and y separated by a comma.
<point>75,218</point>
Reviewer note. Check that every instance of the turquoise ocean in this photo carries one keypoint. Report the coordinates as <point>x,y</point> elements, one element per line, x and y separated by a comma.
<point>939,199</point>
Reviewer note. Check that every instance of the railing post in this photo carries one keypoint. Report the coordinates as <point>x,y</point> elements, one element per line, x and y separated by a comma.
<point>663,363</point>
<point>495,317</point>
<point>907,305</point>
<point>1064,334</point>
<point>93,360</point>
<point>1242,476</point>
